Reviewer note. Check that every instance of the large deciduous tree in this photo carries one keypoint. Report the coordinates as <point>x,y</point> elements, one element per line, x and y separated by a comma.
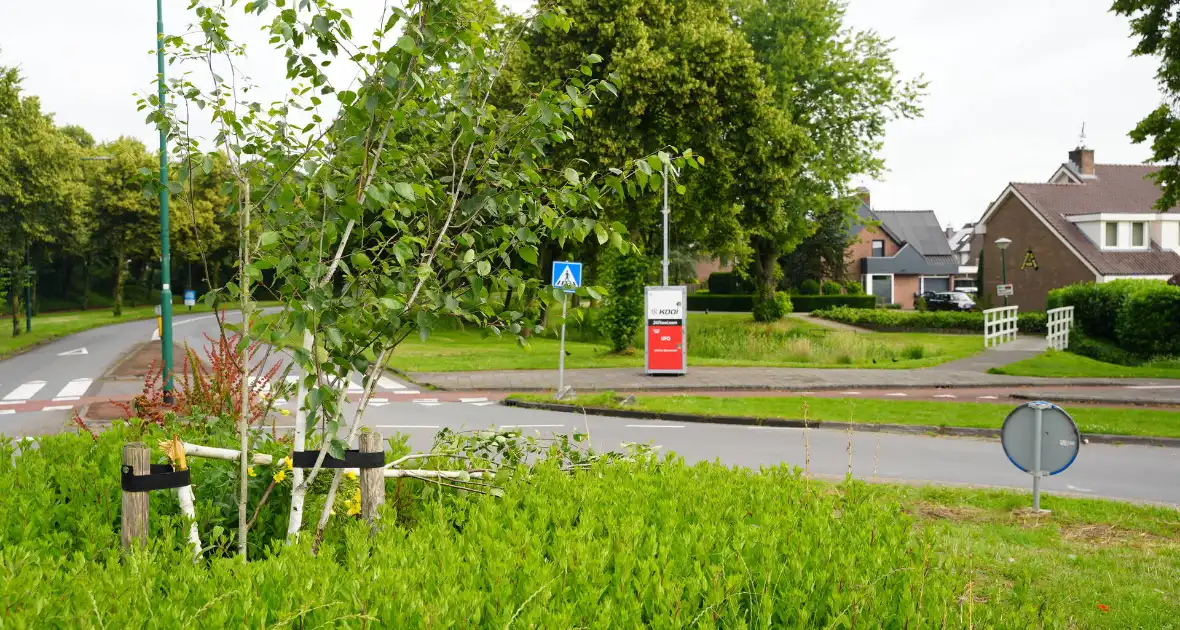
<point>842,87</point>
<point>126,214</point>
<point>1157,24</point>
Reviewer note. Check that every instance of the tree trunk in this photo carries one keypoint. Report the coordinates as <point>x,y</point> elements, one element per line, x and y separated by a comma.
<point>120,274</point>
<point>86,281</point>
<point>14,300</point>
<point>244,421</point>
<point>765,267</point>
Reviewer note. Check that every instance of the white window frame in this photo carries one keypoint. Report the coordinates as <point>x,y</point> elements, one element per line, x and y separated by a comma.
<point>892,286</point>
<point>1131,237</point>
<point>873,248</point>
<point>922,283</point>
<point>1106,244</point>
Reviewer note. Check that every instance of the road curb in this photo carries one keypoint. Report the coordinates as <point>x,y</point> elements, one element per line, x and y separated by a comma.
<point>819,387</point>
<point>635,414</point>
<point>1096,400</point>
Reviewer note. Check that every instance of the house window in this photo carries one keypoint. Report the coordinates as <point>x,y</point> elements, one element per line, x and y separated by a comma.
<point>878,249</point>
<point>1138,234</point>
<point>1110,234</point>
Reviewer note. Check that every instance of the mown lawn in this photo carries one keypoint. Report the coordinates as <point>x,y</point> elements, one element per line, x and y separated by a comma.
<point>1069,365</point>
<point>1109,420</point>
<point>715,339</point>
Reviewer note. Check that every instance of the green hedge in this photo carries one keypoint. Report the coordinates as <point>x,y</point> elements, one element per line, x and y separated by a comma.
<point>895,320</point>
<point>1141,316</point>
<point>619,546</point>
<point>800,303</point>
<point>728,283</point>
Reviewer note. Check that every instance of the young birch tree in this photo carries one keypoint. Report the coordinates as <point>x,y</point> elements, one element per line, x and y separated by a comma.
<point>406,199</point>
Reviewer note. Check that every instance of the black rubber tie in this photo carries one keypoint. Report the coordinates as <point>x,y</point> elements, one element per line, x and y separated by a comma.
<point>352,459</point>
<point>161,477</point>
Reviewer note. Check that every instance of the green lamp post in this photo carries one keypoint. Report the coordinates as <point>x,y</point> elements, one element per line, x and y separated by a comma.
<point>165,255</point>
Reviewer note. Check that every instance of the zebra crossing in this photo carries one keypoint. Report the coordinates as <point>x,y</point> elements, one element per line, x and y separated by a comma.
<point>36,394</point>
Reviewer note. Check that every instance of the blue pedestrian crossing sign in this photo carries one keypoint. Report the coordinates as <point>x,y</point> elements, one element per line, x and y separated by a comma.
<point>567,275</point>
<point>190,298</point>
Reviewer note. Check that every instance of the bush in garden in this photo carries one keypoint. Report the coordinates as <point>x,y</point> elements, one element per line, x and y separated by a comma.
<point>898,320</point>
<point>600,548</point>
<point>728,283</point>
<point>854,287</point>
<point>772,308</point>
<point>1097,305</point>
<point>625,275</point>
<point>721,303</point>
<point>831,287</point>
<point>811,303</point>
<point>1149,321</point>
<point>809,287</point>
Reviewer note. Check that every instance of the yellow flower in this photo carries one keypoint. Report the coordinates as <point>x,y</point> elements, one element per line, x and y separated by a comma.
<point>250,471</point>
<point>353,508</point>
<point>351,474</point>
<point>290,464</point>
<point>280,476</point>
<point>285,412</point>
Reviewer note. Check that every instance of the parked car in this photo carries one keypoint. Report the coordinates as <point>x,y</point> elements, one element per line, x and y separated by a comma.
<point>950,301</point>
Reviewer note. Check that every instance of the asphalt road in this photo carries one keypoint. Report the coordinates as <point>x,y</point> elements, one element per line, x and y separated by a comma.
<point>29,383</point>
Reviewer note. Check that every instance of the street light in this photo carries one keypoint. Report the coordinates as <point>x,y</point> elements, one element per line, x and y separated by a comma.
<point>1003,244</point>
<point>165,255</point>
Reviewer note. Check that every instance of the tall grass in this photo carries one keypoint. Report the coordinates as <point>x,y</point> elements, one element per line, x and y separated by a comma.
<point>794,342</point>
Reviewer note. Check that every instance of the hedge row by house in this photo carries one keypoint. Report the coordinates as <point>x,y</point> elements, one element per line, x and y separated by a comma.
<point>1141,316</point>
<point>800,303</point>
<point>896,320</point>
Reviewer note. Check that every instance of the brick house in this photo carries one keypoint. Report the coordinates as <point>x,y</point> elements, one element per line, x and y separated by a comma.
<point>897,254</point>
<point>1089,223</point>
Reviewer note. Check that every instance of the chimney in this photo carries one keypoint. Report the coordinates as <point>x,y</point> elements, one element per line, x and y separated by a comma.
<point>1083,159</point>
<point>949,231</point>
<point>865,197</point>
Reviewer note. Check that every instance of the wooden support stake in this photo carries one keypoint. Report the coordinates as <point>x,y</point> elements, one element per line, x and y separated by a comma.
<point>135,504</point>
<point>372,479</point>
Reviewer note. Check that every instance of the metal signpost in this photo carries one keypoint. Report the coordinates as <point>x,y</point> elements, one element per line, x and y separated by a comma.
<point>666,350</point>
<point>190,299</point>
<point>1041,439</point>
<point>568,276</point>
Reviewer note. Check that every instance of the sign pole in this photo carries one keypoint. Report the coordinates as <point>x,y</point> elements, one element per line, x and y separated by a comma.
<point>665,224</point>
<point>1038,424</point>
<point>561,354</point>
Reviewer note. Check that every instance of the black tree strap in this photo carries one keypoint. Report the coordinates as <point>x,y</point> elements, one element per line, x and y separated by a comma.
<point>352,459</point>
<point>161,477</point>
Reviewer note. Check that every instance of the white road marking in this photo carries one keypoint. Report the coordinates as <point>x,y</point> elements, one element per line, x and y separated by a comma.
<point>74,389</point>
<point>25,391</point>
<point>422,400</point>
<point>945,396</point>
<point>407,392</point>
<point>483,404</point>
<point>806,393</point>
<point>654,426</point>
<point>987,398</point>
<point>1078,489</point>
<point>1153,386</point>
<point>407,426</point>
<point>7,412</point>
<point>58,408</point>
<point>378,403</point>
<point>474,400</point>
<point>775,428</point>
<point>73,353</point>
<point>897,394</point>
<point>533,426</point>
<point>850,393</point>
<point>378,399</point>
<point>387,383</point>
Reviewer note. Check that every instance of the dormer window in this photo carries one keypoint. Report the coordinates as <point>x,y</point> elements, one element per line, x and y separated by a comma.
<point>1110,233</point>
<point>1138,234</point>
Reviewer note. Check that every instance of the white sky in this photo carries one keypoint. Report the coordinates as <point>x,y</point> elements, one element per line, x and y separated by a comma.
<point>1011,82</point>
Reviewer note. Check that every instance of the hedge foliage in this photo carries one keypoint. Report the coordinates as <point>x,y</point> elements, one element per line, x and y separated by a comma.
<point>773,308</point>
<point>728,283</point>
<point>1141,316</point>
<point>625,276</point>
<point>897,320</point>
<point>808,287</point>
<point>652,544</point>
<point>799,303</point>
<point>831,287</point>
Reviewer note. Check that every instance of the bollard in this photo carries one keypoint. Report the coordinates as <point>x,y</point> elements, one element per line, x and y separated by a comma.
<point>372,479</point>
<point>135,504</point>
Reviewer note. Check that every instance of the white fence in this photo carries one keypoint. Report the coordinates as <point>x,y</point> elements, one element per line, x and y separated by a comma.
<point>999,325</point>
<point>1060,322</point>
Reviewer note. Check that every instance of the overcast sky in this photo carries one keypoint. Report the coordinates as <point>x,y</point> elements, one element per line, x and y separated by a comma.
<point>1011,82</point>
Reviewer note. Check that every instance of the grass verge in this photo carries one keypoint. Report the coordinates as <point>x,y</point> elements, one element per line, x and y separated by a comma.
<point>1108,420</point>
<point>1068,365</point>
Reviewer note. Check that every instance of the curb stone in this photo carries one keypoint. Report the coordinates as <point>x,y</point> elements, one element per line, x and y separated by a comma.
<point>778,388</point>
<point>907,429</point>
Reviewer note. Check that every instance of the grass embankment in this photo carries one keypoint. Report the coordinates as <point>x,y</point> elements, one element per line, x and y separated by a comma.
<point>716,339</point>
<point>1069,365</point>
<point>55,325</point>
<point>1112,421</point>
<point>622,545</point>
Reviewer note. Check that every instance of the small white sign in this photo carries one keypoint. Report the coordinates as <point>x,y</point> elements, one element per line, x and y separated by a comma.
<point>1004,290</point>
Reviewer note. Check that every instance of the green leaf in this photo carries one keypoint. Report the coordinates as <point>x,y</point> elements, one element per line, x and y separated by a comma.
<point>601,233</point>
<point>330,190</point>
<point>361,262</point>
<point>405,190</point>
<point>680,189</point>
<point>572,176</point>
<point>269,238</point>
<point>528,254</point>
<point>468,256</point>
<point>407,43</point>
<point>483,267</point>
<point>337,447</point>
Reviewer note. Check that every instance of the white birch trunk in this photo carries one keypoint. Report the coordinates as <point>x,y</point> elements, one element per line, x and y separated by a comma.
<point>185,496</point>
<point>298,490</point>
<point>243,424</point>
<point>227,454</point>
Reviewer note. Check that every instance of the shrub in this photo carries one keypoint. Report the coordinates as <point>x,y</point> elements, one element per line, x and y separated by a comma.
<point>895,320</point>
<point>625,276</point>
<point>721,303</point>
<point>894,307</point>
<point>728,283</point>
<point>773,308</point>
<point>919,303</point>
<point>1149,321</point>
<point>831,287</point>
<point>809,287</point>
<point>854,287</point>
<point>1100,350</point>
<point>809,303</point>
<point>1097,306</point>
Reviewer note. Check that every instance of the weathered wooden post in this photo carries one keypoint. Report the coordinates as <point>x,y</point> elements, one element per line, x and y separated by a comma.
<point>372,479</point>
<point>136,460</point>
